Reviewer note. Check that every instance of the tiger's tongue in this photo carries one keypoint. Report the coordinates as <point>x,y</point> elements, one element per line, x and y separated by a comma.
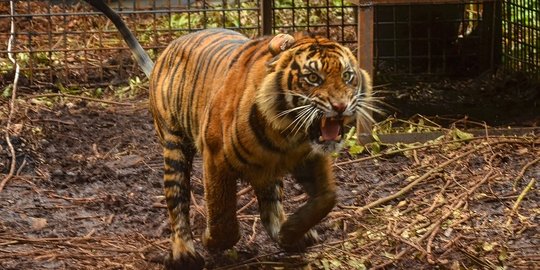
<point>330,129</point>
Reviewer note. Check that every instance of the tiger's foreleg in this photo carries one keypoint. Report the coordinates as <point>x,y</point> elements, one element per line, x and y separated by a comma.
<point>178,159</point>
<point>222,229</point>
<point>315,176</point>
<point>269,196</point>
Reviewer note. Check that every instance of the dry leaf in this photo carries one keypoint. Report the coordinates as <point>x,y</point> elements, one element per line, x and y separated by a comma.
<point>38,223</point>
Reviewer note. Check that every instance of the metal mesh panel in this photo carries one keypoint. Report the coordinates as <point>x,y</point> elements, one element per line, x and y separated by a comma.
<point>443,39</point>
<point>331,18</point>
<point>521,36</point>
<point>65,42</point>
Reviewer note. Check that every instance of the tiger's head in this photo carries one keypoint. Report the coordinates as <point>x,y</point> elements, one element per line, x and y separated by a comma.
<point>314,90</point>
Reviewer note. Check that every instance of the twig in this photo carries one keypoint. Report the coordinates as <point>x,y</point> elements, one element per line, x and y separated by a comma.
<point>19,170</point>
<point>80,97</point>
<point>437,197</point>
<point>13,98</point>
<point>519,199</point>
<point>396,258</point>
<point>248,204</point>
<point>503,139</point>
<point>244,191</point>
<point>415,182</point>
<point>414,245</point>
<point>253,230</point>
<point>436,226</point>
<point>198,208</point>
<point>71,123</point>
<point>523,170</point>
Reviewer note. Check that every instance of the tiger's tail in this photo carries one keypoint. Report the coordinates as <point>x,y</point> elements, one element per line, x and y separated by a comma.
<point>143,59</point>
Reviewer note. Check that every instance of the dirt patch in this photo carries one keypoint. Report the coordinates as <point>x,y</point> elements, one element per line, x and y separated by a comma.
<point>89,196</point>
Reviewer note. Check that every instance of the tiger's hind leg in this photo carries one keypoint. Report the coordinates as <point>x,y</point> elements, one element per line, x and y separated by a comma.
<point>178,157</point>
<point>222,229</point>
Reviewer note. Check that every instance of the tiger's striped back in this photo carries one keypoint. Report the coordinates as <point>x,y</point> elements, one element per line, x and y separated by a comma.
<point>187,74</point>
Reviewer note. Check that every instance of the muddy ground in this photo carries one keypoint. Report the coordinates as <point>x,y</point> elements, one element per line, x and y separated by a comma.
<point>87,194</point>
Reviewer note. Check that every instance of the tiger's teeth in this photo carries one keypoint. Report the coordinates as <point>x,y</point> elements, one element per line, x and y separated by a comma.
<point>338,138</point>
<point>323,122</point>
<point>321,139</point>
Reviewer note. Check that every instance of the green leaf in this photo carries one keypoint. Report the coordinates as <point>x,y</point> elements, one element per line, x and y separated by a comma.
<point>463,135</point>
<point>356,149</point>
<point>375,148</point>
<point>7,91</point>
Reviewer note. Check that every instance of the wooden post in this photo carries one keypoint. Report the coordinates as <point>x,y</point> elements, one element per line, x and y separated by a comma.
<point>365,56</point>
<point>365,36</point>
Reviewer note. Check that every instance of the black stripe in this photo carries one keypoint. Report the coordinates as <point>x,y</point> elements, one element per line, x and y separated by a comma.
<point>311,54</point>
<point>258,127</point>
<point>244,149</point>
<point>242,51</point>
<point>280,97</point>
<point>260,54</point>
<point>178,165</point>
<point>295,65</point>
<point>165,61</point>
<point>179,199</point>
<point>203,63</point>
<point>215,66</point>
<point>237,153</point>
<point>295,100</point>
<point>229,164</point>
<point>173,145</point>
<point>290,81</point>
<point>172,184</point>
<point>194,45</point>
<point>196,39</point>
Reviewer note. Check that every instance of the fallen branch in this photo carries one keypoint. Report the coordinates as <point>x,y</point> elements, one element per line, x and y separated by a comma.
<point>523,170</point>
<point>13,99</point>
<point>519,199</point>
<point>80,97</point>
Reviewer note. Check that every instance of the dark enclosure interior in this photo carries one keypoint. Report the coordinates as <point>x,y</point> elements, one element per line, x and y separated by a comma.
<point>447,39</point>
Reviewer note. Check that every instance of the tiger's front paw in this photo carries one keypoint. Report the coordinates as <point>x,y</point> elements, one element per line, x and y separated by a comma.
<point>310,238</point>
<point>185,261</point>
<point>222,241</point>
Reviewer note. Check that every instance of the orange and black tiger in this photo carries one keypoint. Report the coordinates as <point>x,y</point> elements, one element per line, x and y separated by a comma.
<point>256,110</point>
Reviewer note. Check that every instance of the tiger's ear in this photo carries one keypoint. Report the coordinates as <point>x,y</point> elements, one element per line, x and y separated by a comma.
<point>279,43</point>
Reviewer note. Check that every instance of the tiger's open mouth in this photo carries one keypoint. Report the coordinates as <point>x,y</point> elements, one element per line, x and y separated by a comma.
<point>328,130</point>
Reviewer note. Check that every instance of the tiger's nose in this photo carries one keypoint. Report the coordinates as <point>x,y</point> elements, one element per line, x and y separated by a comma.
<point>339,106</point>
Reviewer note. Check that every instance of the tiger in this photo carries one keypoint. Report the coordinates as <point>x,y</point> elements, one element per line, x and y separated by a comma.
<point>255,110</point>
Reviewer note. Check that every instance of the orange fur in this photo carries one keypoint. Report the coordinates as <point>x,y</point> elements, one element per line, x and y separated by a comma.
<point>227,97</point>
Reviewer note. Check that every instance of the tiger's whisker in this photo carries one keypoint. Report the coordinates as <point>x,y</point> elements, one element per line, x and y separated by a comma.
<point>283,113</point>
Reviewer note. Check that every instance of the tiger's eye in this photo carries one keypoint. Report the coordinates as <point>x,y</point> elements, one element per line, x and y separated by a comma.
<point>347,76</point>
<point>313,79</point>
